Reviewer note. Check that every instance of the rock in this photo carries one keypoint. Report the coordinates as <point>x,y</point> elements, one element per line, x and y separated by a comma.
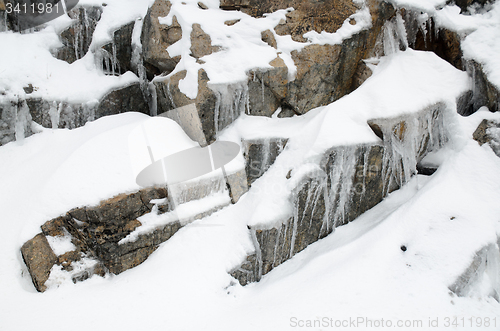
<point>363,72</point>
<point>308,15</point>
<point>232,22</point>
<point>267,36</point>
<point>234,4</point>
<point>260,155</point>
<point>77,38</point>
<point>483,93</point>
<point>202,5</point>
<point>238,185</point>
<point>268,89</point>
<point>188,119</point>
<point>201,43</point>
<point>217,106</point>
<point>156,38</point>
<point>349,181</point>
<point>465,4</point>
<point>443,42</point>
<point>488,132</point>
<point>129,98</point>
<point>39,259</point>
<point>120,49</point>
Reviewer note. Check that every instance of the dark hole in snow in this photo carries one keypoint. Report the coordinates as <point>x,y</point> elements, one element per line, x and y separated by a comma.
<point>403,248</point>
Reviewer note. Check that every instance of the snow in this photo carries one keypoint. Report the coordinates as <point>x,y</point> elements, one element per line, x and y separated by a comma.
<point>359,272</point>
<point>61,244</point>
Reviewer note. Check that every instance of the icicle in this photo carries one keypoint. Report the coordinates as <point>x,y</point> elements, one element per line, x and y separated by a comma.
<point>231,101</point>
<point>401,30</point>
<point>54,113</point>
<point>3,21</point>
<point>23,121</point>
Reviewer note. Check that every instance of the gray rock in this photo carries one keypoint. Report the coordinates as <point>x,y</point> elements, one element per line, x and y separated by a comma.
<point>120,50</point>
<point>156,38</point>
<point>126,99</point>
<point>260,155</point>
<point>77,38</point>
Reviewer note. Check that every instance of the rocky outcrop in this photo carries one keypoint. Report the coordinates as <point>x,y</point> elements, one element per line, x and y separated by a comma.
<point>348,181</point>
<point>106,237</point>
<point>156,38</point>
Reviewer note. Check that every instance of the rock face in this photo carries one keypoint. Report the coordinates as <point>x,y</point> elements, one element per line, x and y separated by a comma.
<point>308,15</point>
<point>349,181</point>
<point>260,155</point>
<point>117,55</point>
<point>98,232</point>
<point>484,93</point>
<point>77,38</point>
<point>126,99</point>
<point>156,38</point>
<point>217,106</point>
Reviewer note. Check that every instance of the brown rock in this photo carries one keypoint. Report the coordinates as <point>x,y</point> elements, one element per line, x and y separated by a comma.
<point>202,5</point>
<point>232,22</point>
<point>39,259</point>
<point>201,43</point>
<point>268,37</point>
<point>55,227</point>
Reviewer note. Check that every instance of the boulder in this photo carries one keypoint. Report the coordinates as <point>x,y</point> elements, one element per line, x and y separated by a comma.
<point>125,99</point>
<point>156,38</point>
<point>39,259</point>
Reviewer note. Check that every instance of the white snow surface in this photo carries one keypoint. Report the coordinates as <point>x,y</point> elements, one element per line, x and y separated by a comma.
<point>357,272</point>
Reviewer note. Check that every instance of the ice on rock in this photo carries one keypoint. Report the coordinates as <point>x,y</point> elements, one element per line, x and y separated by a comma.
<point>231,102</point>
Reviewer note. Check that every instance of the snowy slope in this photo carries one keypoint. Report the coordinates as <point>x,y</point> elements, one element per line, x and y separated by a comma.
<point>359,272</point>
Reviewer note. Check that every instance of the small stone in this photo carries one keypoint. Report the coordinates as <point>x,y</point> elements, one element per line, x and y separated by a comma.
<point>403,248</point>
<point>231,22</point>
<point>202,5</point>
